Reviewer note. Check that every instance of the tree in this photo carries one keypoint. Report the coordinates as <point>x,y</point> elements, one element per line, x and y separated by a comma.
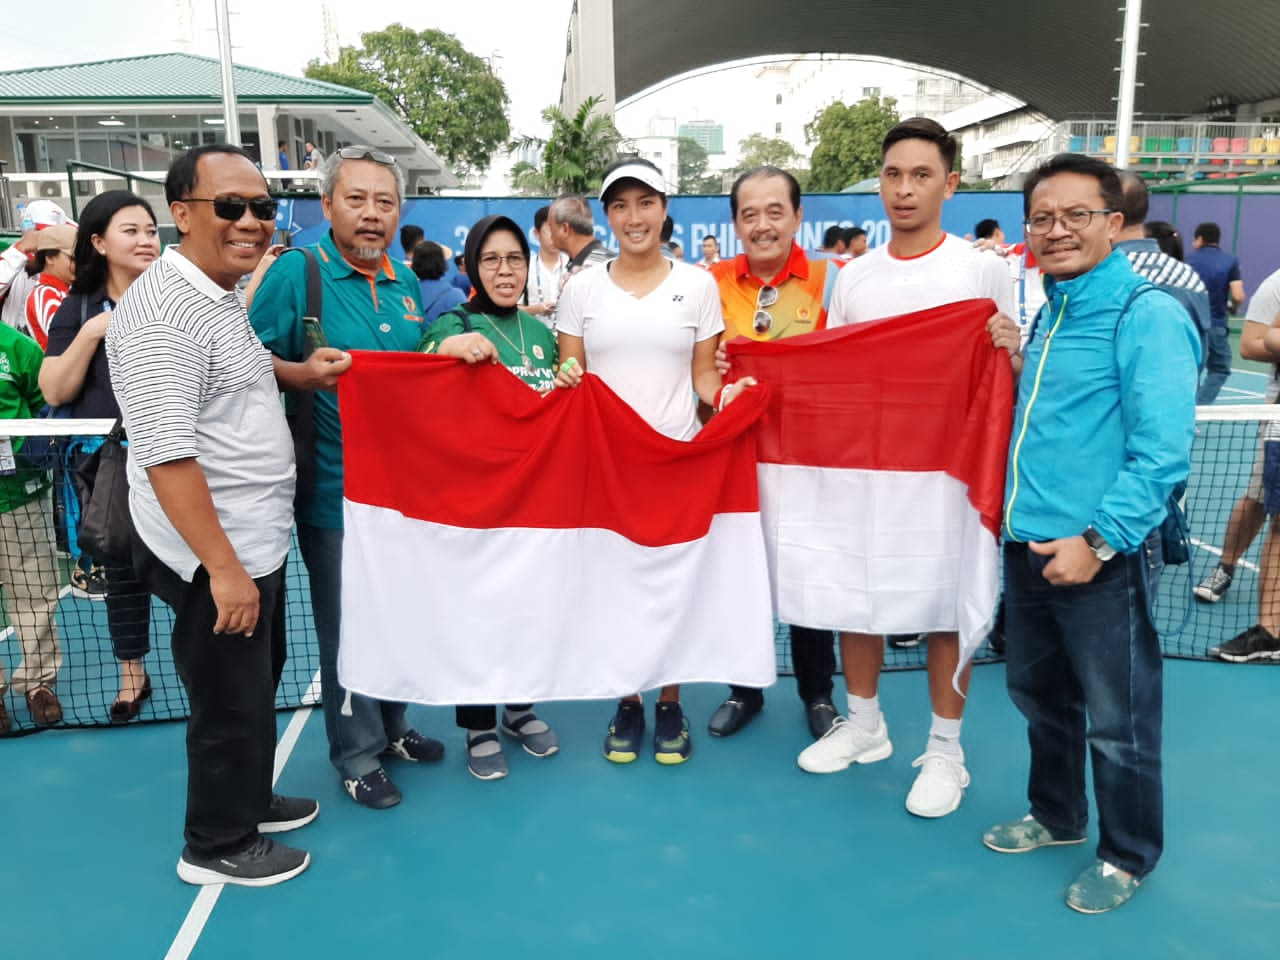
<point>449,96</point>
<point>848,142</point>
<point>758,150</point>
<point>692,165</point>
<point>576,154</point>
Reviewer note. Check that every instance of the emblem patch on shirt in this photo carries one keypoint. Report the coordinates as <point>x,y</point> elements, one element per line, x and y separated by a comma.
<point>802,313</point>
<point>409,305</point>
<point>384,327</point>
<point>537,352</point>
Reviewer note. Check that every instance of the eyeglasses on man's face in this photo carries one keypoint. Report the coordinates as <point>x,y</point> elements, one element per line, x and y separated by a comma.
<point>766,297</point>
<point>1073,220</point>
<point>494,261</point>
<point>232,208</point>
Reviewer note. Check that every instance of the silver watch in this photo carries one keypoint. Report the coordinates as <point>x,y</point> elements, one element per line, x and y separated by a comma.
<point>1101,549</point>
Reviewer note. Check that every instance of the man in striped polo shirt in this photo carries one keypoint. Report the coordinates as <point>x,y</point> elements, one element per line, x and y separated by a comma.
<point>1176,278</point>
<point>211,474</point>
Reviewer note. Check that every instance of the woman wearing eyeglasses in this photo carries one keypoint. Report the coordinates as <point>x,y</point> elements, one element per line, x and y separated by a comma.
<point>117,241</point>
<point>491,328</point>
<point>648,326</point>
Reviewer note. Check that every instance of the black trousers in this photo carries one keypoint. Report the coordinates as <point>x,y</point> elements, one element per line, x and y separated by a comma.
<point>231,684</point>
<point>813,659</point>
<point>483,717</point>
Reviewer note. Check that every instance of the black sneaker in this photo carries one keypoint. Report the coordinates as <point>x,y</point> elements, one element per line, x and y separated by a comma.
<point>373,790</point>
<point>671,741</point>
<point>1213,587</point>
<point>415,748</point>
<point>1256,643</point>
<point>626,733</point>
<point>288,813</point>
<point>261,864</point>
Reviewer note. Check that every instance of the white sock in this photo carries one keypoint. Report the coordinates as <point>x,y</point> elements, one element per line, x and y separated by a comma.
<point>511,717</point>
<point>864,712</point>
<point>944,738</point>
<point>486,749</point>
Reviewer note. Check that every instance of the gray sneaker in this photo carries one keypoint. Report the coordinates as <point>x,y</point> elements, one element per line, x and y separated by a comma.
<point>261,864</point>
<point>489,766</point>
<point>1023,836</point>
<point>540,744</point>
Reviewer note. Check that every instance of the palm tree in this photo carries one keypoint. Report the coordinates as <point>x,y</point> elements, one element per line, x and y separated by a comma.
<point>575,156</point>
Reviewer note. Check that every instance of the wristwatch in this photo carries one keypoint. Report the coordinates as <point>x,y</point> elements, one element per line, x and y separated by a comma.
<point>1101,549</point>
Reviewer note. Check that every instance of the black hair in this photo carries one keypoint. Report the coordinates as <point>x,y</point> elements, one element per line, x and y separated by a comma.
<point>457,262</point>
<point>985,229</point>
<point>668,228</point>
<point>712,237</point>
<point>1134,200</point>
<point>181,179</point>
<point>410,236</point>
<point>1100,170</point>
<point>39,259</point>
<point>767,170</point>
<point>540,216</point>
<point>1167,236</point>
<point>91,266</point>
<point>922,128</point>
<point>428,260</point>
<point>832,235</point>
<point>851,234</point>
<point>1210,233</point>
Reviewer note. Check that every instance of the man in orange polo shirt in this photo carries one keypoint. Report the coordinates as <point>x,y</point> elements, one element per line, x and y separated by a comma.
<point>768,291</point>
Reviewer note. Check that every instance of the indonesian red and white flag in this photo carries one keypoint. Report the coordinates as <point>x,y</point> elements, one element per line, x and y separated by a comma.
<point>882,472</point>
<point>504,547</point>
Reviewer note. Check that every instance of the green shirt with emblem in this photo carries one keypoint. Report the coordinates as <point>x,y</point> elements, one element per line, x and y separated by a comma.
<point>359,311</point>
<point>20,399</point>
<point>525,346</point>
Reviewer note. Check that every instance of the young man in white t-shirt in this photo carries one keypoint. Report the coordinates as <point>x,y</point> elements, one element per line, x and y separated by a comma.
<point>919,268</point>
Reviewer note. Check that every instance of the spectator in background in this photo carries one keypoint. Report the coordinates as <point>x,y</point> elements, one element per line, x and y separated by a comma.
<point>833,243</point>
<point>282,162</point>
<point>855,242</point>
<point>15,283</point>
<point>117,241</point>
<point>1220,272</point>
<point>546,274</point>
<point>1166,236</point>
<point>460,278</point>
<point>710,252</point>
<point>54,267</point>
<point>439,296</point>
<point>312,158</point>
<point>410,236</point>
<point>989,229</point>
<point>574,231</point>
<point>668,248</point>
<point>1250,512</point>
<point>26,562</point>
<point>1172,276</point>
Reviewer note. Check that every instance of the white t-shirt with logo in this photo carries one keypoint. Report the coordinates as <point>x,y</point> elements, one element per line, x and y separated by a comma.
<point>878,284</point>
<point>642,347</point>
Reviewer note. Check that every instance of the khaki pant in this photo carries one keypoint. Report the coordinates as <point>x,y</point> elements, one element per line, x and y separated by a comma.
<point>31,594</point>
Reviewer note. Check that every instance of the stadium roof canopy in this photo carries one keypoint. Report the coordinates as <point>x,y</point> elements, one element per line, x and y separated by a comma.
<point>1061,58</point>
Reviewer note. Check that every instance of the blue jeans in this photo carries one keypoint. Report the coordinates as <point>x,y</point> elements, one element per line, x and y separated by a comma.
<point>1091,652</point>
<point>356,740</point>
<point>1217,366</point>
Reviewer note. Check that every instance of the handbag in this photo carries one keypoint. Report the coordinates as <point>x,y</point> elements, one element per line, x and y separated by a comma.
<point>106,528</point>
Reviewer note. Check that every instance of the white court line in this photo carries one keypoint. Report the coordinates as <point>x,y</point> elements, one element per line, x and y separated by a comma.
<point>1252,373</point>
<point>1242,393</point>
<point>1242,562</point>
<point>189,933</point>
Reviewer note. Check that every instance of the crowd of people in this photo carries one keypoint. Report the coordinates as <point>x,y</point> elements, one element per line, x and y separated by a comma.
<point>1107,349</point>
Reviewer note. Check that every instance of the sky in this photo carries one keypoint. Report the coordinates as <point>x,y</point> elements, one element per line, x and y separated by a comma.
<point>525,38</point>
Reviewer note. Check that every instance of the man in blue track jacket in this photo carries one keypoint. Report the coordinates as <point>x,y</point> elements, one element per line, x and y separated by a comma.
<point>1102,433</point>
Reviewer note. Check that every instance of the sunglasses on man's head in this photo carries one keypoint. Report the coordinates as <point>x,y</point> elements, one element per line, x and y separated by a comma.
<point>367,153</point>
<point>232,208</point>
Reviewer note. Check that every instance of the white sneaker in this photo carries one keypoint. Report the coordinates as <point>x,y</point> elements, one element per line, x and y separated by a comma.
<point>846,744</point>
<point>939,786</point>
